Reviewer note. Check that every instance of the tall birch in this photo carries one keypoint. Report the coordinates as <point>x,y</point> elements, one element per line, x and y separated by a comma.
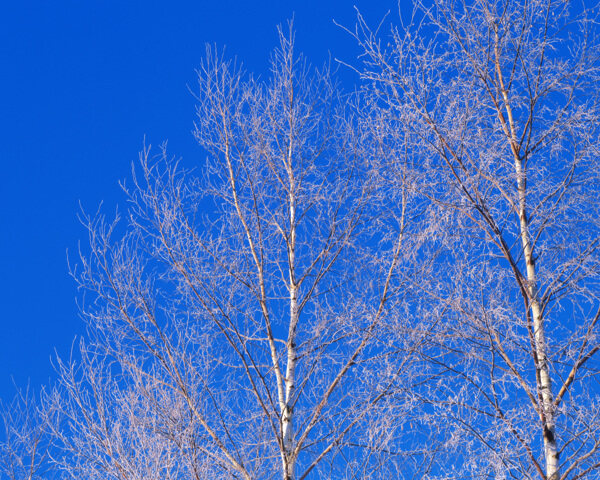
<point>498,102</point>
<point>237,314</point>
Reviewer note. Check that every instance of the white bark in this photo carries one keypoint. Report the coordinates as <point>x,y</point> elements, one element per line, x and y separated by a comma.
<point>543,378</point>
<point>540,355</point>
<point>287,428</point>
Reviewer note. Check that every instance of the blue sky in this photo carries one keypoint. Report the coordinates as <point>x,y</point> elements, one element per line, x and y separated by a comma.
<point>82,83</point>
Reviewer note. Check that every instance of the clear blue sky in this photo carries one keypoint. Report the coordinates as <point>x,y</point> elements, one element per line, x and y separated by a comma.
<point>82,83</point>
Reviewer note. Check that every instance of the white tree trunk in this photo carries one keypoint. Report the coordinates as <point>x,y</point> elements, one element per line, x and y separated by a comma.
<point>287,427</point>
<point>543,378</point>
<point>290,388</point>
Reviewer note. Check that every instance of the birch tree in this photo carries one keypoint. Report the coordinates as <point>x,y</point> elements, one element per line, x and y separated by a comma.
<point>236,317</point>
<point>498,105</point>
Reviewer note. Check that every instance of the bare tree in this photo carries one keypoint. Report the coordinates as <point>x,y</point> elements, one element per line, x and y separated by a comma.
<point>497,103</point>
<point>238,319</point>
<point>115,423</point>
<point>25,442</point>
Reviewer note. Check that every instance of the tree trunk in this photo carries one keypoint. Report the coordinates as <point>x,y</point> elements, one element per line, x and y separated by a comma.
<point>544,382</point>
<point>290,374</point>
